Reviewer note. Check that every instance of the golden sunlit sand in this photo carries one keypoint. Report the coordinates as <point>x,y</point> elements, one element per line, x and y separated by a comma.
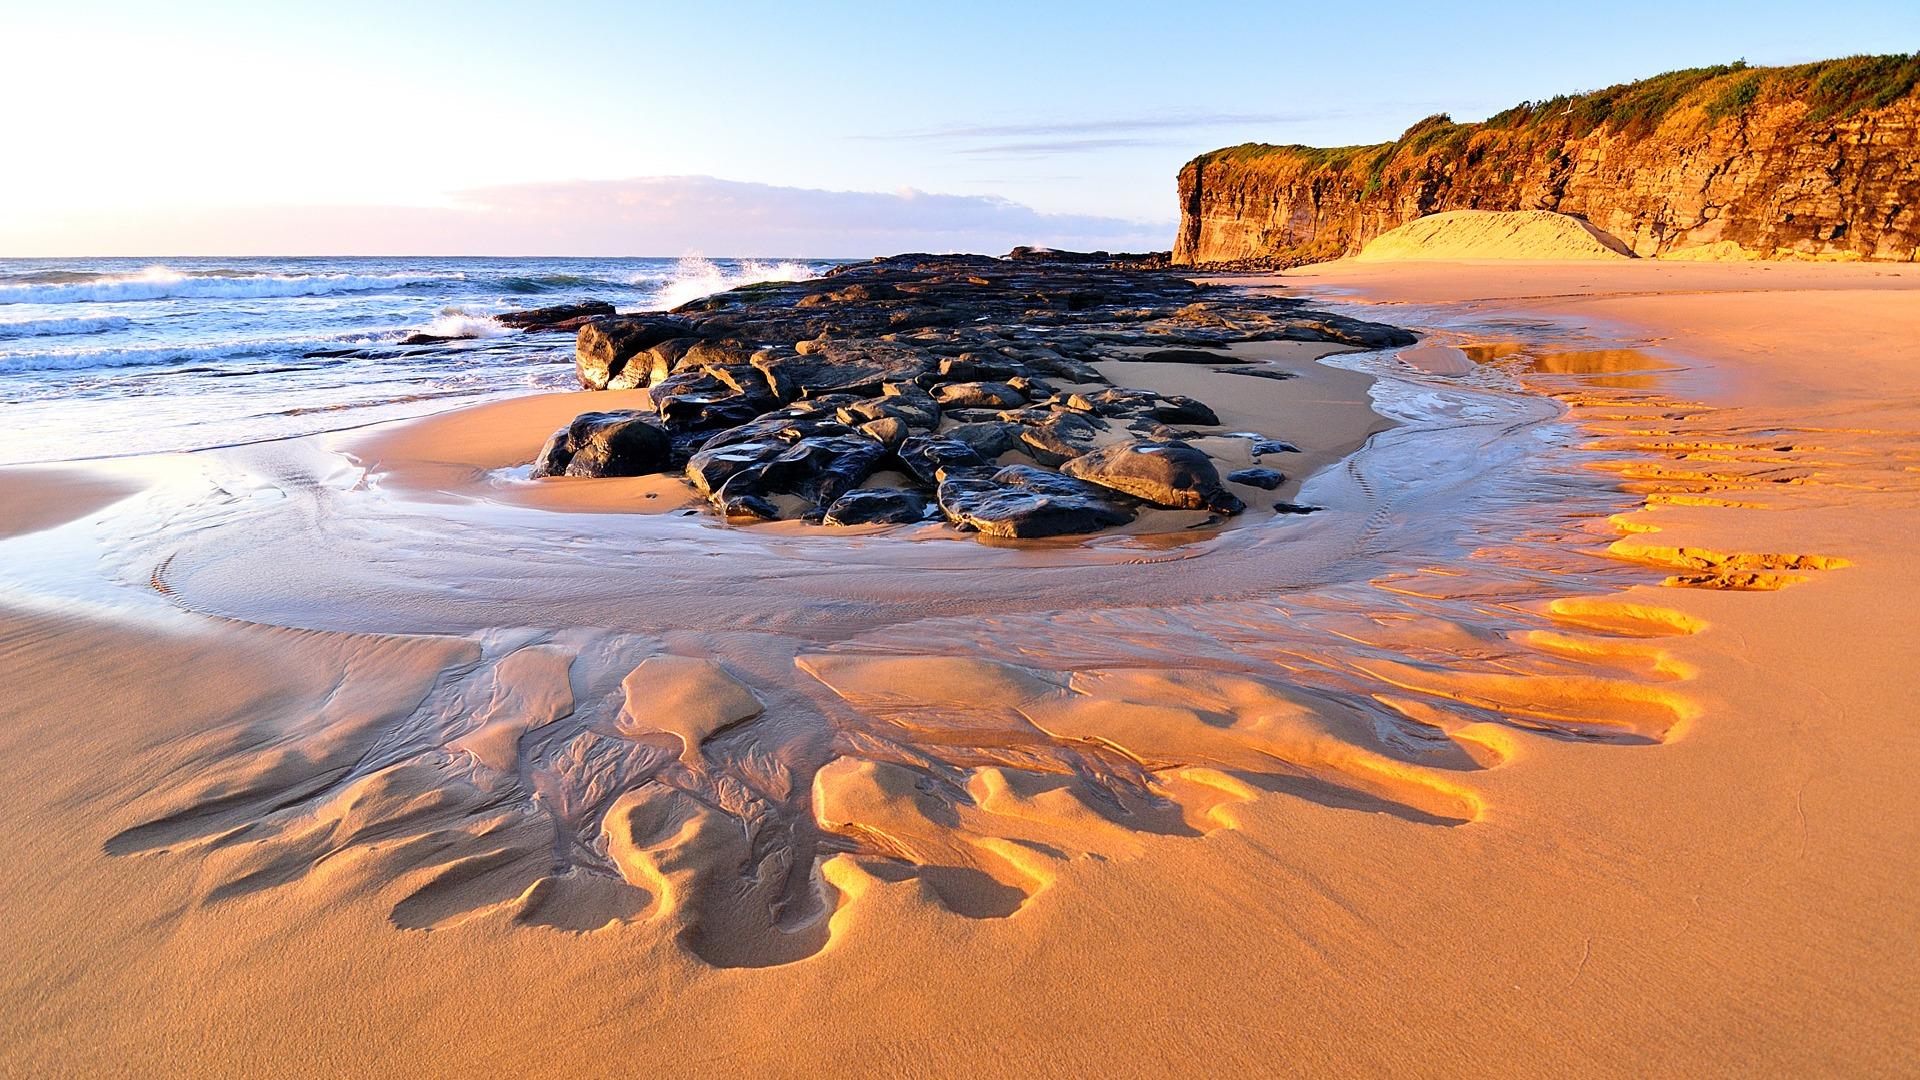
<point>1574,735</point>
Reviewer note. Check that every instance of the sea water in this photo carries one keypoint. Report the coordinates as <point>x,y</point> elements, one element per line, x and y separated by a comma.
<point>107,357</point>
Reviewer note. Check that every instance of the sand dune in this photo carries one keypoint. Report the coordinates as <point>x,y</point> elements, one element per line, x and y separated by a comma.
<point>1534,235</point>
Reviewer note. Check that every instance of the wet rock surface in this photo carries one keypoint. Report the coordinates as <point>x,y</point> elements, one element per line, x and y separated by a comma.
<point>916,386</point>
<point>624,443</point>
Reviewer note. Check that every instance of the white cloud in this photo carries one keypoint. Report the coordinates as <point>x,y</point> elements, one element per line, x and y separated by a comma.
<point>658,215</point>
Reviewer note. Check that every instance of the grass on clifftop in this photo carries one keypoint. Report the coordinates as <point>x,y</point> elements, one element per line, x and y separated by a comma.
<point>1831,89</point>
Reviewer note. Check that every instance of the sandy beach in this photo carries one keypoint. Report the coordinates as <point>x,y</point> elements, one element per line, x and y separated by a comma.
<point>1571,736</point>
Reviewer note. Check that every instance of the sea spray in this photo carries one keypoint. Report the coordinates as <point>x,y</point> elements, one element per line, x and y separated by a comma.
<point>696,277</point>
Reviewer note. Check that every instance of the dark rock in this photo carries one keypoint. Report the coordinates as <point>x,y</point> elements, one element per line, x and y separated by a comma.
<point>924,457</point>
<point>696,401</point>
<point>1170,474</point>
<point>604,347</point>
<point>904,402</point>
<point>988,438</point>
<point>1348,331</point>
<point>626,443</point>
<point>712,467</point>
<point>750,506</point>
<point>548,318</point>
<point>1060,437</point>
<point>1023,502</point>
<point>837,367</point>
<point>978,395</point>
<point>818,469</point>
<point>788,425</point>
<point>1179,409</point>
<point>821,468</point>
<point>1296,508</point>
<point>1265,479</point>
<point>972,367</point>
<point>1118,402</point>
<point>888,431</point>
<point>1273,446</point>
<point>877,506</point>
<point>1189,356</point>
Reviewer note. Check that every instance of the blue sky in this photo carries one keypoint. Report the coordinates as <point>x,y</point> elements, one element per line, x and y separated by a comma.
<point>200,127</point>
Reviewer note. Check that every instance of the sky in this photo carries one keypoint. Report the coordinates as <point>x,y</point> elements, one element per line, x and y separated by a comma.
<point>776,129</point>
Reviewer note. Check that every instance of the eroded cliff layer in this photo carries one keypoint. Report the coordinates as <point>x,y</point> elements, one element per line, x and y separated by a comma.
<point>1820,159</point>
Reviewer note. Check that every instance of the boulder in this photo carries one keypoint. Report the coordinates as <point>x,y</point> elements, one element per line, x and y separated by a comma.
<point>924,457</point>
<point>988,438</point>
<point>712,467</point>
<point>625,443</point>
<point>604,346</point>
<point>821,468</point>
<point>1020,501</point>
<point>1170,474</point>
<point>978,395</point>
<point>974,367</point>
<point>877,506</point>
<point>889,431</point>
<point>1060,436</point>
<point>1264,479</point>
<point>817,468</point>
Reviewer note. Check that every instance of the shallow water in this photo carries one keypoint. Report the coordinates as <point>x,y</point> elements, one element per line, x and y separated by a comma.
<point>107,357</point>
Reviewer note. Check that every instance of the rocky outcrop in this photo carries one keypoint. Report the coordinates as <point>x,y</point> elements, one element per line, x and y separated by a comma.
<point>956,386</point>
<point>558,317</point>
<point>1815,160</point>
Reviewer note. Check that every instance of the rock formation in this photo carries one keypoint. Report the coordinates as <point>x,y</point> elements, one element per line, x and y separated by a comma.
<point>925,386</point>
<point>1816,160</point>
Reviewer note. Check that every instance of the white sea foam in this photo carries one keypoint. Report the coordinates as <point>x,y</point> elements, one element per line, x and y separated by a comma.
<point>696,277</point>
<point>84,324</point>
<point>455,323</point>
<point>162,283</point>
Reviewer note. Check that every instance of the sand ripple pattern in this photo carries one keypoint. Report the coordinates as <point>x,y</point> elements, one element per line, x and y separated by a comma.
<point>748,789</point>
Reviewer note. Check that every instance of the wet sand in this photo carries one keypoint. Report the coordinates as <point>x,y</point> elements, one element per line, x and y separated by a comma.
<point>1572,736</point>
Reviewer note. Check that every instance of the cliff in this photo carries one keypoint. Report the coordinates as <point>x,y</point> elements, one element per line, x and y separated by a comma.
<point>1817,160</point>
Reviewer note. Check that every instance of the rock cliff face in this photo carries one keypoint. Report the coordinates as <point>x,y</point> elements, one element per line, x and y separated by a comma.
<point>1821,159</point>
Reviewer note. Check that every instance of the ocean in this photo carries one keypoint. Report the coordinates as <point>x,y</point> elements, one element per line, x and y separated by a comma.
<point>107,357</point>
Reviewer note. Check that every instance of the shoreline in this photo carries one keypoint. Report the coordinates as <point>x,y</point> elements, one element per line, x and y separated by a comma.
<point>1614,754</point>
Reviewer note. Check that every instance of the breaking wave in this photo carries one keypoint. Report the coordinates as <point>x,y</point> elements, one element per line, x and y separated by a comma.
<point>455,323</point>
<point>697,277</point>
<point>85,324</point>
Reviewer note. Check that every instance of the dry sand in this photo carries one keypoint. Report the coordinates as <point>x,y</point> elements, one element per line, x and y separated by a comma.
<point>1462,235</point>
<point>1563,742</point>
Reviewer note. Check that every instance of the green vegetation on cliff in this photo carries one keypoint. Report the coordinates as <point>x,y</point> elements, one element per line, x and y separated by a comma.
<point>1831,89</point>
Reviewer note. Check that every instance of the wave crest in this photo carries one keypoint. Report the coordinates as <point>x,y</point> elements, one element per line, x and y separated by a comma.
<point>457,323</point>
<point>162,283</point>
<point>84,324</point>
<point>696,277</point>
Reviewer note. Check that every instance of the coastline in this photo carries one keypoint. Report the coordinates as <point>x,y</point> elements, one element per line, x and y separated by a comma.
<point>1624,866</point>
